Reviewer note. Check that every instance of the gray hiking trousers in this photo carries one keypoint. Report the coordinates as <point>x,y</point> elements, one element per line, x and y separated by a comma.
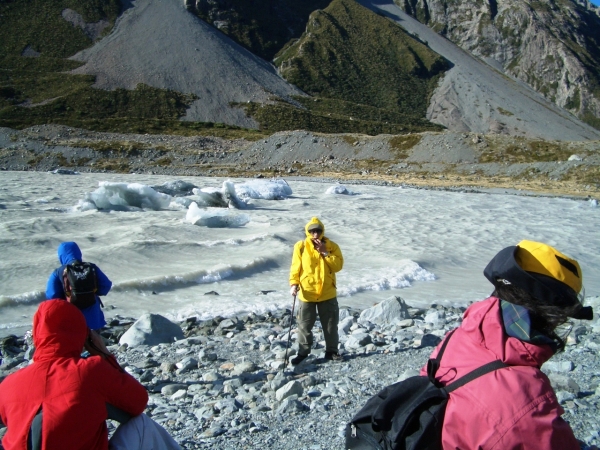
<point>329,315</point>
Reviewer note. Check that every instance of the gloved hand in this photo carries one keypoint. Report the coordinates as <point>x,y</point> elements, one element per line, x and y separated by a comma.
<point>294,290</point>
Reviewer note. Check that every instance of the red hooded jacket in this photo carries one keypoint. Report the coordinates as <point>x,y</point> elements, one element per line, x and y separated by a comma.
<point>511,408</point>
<point>71,391</point>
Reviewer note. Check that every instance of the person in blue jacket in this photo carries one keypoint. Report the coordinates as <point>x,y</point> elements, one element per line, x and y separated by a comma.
<point>69,252</point>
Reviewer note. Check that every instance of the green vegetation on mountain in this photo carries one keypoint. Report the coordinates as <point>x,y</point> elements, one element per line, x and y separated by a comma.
<point>366,75</point>
<point>78,102</point>
<point>40,25</point>
<point>352,54</point>
<point>38,89</point>
<point>327,115</point>
<point>262,26</point>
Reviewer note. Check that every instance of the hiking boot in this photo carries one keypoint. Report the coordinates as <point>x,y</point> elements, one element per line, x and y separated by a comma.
<point>333,356</point>
<point>298,359</point>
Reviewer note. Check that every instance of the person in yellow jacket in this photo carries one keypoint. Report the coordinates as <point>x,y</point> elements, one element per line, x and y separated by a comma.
<point>312,277</point>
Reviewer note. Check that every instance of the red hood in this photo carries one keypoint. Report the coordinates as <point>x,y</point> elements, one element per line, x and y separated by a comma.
<point>483,324</point>
<point>59,330</point>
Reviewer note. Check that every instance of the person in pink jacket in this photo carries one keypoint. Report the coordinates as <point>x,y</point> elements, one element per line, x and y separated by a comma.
<point>536,291</point>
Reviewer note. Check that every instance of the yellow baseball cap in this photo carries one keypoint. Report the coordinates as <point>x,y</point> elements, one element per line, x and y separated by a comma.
<point>541,258</point>
<point>539,269</point>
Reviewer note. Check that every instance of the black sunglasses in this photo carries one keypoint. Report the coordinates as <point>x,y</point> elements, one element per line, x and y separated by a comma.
<point>315,230</point>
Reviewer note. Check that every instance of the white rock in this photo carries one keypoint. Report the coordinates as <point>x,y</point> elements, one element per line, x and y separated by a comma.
<point>151,329</point>
<point>210,376</point>
<point>291,388</point>
<point>406,323</point>
<point>179,394</point>
<point>358,340</point>
<point>244,367</point>
<point>345,324</point>
<point>388,312</point>
<point>434,317</point>
<point>558,366</point>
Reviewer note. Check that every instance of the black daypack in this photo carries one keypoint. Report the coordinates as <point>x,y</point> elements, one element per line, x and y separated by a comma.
<point>79,282</point>
<point>408,415</point>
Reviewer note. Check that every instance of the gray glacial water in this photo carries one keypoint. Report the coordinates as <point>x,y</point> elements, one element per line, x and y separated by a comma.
<point>426,246</point>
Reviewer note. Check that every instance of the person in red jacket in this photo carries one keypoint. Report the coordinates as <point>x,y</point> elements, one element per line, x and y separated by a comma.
<point>69,391</point>
<point>536,291</point>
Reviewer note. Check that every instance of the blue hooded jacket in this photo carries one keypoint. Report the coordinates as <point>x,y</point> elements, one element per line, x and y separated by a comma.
<point>69,252</point>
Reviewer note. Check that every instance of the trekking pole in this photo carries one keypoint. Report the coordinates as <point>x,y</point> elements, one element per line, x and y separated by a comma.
<point>290,333</point>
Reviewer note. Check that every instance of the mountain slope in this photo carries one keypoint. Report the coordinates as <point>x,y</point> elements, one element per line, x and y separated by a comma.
<point>160,44</point>
<point>262,26</point>
<point>160,63</point>
<point>351,54</point>
<point>474,97</point>
<point>552,45</point>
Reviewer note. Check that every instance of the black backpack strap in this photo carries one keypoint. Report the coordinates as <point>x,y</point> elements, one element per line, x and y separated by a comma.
<point>434,363</point>
<point>486,368</point>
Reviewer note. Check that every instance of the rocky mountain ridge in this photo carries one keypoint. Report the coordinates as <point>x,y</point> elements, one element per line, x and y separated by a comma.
<point>140,74</point>
<point>553,46</point>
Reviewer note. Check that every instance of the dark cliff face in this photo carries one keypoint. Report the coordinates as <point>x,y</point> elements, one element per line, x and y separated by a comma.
<point>554,46</point>
<point>262,26</point>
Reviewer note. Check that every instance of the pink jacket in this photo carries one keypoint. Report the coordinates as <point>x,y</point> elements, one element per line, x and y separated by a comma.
<point>510,408</point>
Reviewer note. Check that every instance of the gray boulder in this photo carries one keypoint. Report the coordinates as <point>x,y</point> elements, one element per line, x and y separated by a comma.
<point>386,313</point>
<point>151,329</point>
<point>290,405</point>
<point>171,389</point>
<point>563,383</point>
<point>278,381</point>
<point>289,389</point>
<point>345,324</point>
<point>558,366</point>
<point>358,340</point>
<point>244,367</point>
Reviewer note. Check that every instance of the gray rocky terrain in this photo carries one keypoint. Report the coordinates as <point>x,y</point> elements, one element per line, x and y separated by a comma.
<point>546,45</point>
<point>474,96</point>
<point>449,159</point>
<point>224,383</point>
<point>159,43</point>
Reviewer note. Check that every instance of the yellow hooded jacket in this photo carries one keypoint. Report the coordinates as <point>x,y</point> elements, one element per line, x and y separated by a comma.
<point>314,273</point>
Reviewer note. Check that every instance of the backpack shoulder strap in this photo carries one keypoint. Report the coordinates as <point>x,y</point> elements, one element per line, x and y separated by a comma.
<point>434,364</point>
<point>486,368</point>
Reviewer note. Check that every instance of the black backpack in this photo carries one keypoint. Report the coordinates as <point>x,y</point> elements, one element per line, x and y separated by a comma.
<point>79,282</point>
<point>408,415</point>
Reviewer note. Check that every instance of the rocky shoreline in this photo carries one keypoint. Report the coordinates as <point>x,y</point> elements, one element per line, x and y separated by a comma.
<point>224,384</point>
<point>446,160</point>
